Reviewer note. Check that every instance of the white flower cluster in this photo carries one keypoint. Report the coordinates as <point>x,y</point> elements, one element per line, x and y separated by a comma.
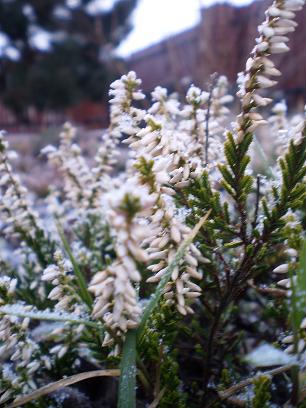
<point>284,128</point>
<point>77,177</point>
<point>278,119</point>
<point>61,277</point>
<point>170,232</point>
<point>177,136</point>
<point>168,153</point>
<point>259,67</point>
<point>115,287</point>
<point>24,355</point>
<point>205,117</point>
<point>15,344</point>
<point>106,158</point>
<point>17,216</point>
<point>167,232</point>
<point>125,118</point>
<point>164,104</point>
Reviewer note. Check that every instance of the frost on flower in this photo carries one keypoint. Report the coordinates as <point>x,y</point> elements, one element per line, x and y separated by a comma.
<point>167,232</point>
<point>77,178</point>
<point>260,69</point>
<point>115,287</point>
<point>64,292</point>
<point>19,218</point>
<point>16,343</point>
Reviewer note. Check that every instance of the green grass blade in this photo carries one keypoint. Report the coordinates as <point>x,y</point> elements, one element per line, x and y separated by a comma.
<point>153,302</point>
<point>84,293</point>
<point>127,383</point>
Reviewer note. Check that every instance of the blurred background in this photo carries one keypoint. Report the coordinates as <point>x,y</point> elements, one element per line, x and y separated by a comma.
<point>58,57</point>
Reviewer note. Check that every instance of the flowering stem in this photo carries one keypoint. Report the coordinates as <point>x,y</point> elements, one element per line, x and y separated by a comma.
<point>159,290</point>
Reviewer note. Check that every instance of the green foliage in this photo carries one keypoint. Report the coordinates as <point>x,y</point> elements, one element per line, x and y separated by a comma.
<point>262,393</point>
<point>237,184</point>
<point>71,68</point>
<point>158,352</point>
<point>79,275</point>
<point>145,168</point>
<point>225,379</point>
<point>170,380</point>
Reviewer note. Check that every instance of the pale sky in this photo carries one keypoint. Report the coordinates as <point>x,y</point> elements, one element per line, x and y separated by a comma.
<point>156,19</point>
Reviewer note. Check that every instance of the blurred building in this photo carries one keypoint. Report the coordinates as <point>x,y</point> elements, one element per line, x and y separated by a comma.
<point>220,43</point>
<point>86,113</point>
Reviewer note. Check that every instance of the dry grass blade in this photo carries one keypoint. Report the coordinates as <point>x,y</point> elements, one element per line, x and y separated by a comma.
<point>47,389</point>
<point>225,394</point>
<point>155,403</point>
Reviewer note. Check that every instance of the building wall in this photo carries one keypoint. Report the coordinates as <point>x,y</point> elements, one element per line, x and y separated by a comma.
<point>220,43</point>
<point>165,62</point>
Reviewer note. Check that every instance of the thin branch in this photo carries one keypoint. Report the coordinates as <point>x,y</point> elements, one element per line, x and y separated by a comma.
<point>268,291</point>
<point>242,384</point>
<point>156,401</point>
<point>254,223</point>
<point>209,102</point>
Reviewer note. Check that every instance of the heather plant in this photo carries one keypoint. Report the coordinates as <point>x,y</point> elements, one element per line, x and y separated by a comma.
<point>184,274</point>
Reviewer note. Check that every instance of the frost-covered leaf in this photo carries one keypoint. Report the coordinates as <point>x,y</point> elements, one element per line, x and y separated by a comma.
<point>21,310</point>
<point>268,356</point>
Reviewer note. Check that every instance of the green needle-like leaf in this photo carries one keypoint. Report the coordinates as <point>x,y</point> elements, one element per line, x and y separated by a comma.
<point>84,293</point>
